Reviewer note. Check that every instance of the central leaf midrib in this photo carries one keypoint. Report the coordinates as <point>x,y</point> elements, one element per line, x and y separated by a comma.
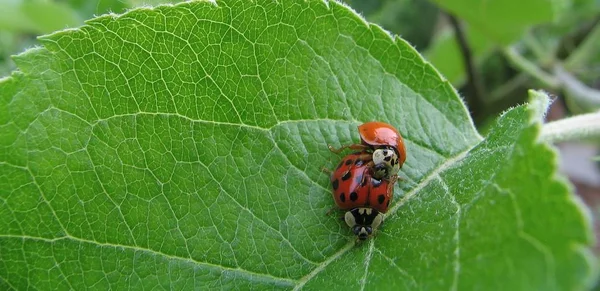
<point>244,272</point>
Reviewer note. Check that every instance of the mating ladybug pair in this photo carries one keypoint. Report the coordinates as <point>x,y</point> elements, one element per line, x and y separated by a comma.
<point>363,182</point>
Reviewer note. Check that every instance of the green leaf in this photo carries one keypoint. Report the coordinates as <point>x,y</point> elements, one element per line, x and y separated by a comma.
<point>181,147</point>
<point>503,21</point>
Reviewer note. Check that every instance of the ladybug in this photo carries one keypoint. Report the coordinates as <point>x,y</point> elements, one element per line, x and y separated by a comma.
<point>386,145</point>
<point>364,197</point>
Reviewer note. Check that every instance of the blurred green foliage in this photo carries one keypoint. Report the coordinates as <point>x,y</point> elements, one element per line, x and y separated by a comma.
<point>413,20</point>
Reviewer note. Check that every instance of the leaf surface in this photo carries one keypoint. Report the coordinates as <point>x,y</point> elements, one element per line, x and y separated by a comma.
<point>181,147</point>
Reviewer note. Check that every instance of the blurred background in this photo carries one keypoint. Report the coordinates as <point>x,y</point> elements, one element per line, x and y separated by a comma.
<point>491,51</point>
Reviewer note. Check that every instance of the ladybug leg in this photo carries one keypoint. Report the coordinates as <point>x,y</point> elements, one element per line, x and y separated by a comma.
<point>359,147</point>
<point>369,160</point>
<point>390,189</point>
<point>367,157</point>
<point>332,209</point>
<point>375,231</point>
<point>393,179</point>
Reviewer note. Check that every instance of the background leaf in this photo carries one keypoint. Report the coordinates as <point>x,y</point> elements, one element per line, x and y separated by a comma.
<point>36,16</point>
<point>181,147</point>
<point>445,54</point>
<point>499,20</point>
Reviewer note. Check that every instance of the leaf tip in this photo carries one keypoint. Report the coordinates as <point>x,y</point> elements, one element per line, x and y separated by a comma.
<point>539,101</point>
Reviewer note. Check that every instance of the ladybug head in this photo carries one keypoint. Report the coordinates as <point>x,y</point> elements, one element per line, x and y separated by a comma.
<point>386,162</point>
<point>363,221</point>
<point>362,232</point>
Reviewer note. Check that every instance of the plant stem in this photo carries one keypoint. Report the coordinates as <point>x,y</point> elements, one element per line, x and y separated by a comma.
<point>573,128</point>
<point>530,68</point>
<point>576,88</point>
<point>473,77</point>
<point>538,50</point>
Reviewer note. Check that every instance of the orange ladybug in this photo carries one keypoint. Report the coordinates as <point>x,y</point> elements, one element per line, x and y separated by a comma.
<point>379,134</point>
<point>386,145</point>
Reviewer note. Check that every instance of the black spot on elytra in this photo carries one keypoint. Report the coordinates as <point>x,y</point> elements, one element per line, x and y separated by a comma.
<point>353,196</point>
<point>358,162</point>
<point>380,198</point>
<point>349,162</point>
<point>342,197</point>
<point>335,184</point>
<point>346,176</point>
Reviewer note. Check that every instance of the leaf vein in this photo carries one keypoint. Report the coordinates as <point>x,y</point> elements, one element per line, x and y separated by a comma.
<point>456,275</point>
<point>402,271</point>
<point>285,239</point>
<point>433,175</point>
<point>323,265</point>
<point>369,256</point>
<point>240,271</point>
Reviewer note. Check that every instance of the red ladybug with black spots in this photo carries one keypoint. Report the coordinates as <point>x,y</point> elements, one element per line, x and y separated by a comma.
<point>364,197</point>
